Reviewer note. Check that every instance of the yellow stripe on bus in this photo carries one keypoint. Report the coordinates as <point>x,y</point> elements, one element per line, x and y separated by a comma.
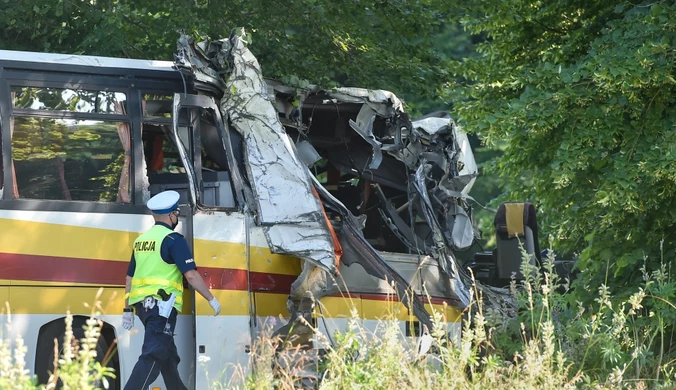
<point>62,240</point>
<point>233,303</point>
<point>378,309</point>
<point>46,283</point>
<point>59,240</point>
<point>58,300</point>
<point>79,300</point>
<point>233,255</point>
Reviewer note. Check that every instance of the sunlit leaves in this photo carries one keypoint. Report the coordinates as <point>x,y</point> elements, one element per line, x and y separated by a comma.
<point>583,95</point>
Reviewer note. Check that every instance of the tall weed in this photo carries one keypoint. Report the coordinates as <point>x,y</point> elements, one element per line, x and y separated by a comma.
<point>76,364</point>
<point>555,342</point>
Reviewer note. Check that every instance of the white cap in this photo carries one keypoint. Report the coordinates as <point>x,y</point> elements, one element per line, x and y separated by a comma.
<point>164,202</point>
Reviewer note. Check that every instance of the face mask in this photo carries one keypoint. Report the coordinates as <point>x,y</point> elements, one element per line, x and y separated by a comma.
<point>174,224</point>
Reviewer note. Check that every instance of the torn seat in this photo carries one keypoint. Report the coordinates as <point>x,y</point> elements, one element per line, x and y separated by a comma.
<point>515,225</point>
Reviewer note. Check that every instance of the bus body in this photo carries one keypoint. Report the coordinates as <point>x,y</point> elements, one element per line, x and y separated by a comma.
<point>86,141</point>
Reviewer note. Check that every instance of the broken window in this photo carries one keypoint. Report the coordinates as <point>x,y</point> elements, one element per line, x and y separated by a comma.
<point>2,162</point>
<point>200,139</point>
<point>216,189</point>
<point>164,167</point>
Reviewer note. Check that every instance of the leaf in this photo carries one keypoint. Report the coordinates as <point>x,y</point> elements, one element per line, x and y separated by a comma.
<point>656,9</point>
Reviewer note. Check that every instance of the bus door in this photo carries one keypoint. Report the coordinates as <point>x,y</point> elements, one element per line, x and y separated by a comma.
<point>220,232</point>
<point>168,155</point>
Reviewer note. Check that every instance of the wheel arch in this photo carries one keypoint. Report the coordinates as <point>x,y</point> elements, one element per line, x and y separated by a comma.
<point>56,328</point>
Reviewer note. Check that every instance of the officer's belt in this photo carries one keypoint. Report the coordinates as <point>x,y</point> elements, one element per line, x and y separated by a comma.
<point>150,291</point>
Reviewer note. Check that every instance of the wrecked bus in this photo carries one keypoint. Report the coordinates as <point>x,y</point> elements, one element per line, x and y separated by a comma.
<point>297,202</point>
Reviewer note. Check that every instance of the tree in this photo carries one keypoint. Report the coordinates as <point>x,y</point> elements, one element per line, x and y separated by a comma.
<point>582,96</point>
<point>371,44</point>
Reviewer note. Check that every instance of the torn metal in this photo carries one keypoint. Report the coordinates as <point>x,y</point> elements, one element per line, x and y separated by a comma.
<point>356,167</point>
<point>274,171</point>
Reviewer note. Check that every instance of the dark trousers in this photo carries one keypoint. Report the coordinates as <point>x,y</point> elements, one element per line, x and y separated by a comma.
<point>159,354</point>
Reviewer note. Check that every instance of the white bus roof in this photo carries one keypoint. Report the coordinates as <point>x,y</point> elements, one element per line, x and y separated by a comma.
<point>84,60</point>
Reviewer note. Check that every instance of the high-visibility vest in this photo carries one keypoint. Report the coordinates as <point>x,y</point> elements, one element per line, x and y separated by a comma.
<point>152,273</point>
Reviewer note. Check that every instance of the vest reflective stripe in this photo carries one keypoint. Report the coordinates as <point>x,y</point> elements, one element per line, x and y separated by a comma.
<point>152,273</point>
<point>160,282</point>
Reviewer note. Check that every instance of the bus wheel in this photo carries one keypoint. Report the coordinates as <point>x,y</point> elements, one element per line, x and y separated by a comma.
<point>44,354</point>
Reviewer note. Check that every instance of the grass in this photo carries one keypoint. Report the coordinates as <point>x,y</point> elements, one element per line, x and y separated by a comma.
<point>553,343</point>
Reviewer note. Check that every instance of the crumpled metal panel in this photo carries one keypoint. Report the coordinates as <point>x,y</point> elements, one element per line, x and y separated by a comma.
<point>467,175</point>
<point>306,240</point>
<point>440,248</point>
<point>431,128</point>
<point>372,261</point>
<point>291,216</point>
<point>285,201</point>
<point>385,103</point>
<point>447,147</point>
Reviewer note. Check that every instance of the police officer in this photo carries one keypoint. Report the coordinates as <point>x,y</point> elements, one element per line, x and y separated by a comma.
<point>159,260</point>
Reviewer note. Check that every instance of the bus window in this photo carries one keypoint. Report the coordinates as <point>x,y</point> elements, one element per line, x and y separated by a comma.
<point>70,100</point>
<point>2,168</point>
<point>157,105</point>
<point>65,157</point>
<point>199,137</point>
<point>217,187</point>
<point>164,166</point>
<point>157,110</point>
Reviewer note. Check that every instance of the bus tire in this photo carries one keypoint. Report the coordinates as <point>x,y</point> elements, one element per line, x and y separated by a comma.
<point>44,354</point>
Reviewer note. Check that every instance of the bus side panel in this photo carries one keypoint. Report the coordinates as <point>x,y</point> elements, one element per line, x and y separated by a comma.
<point>221,341</point>
<point>56,261</point>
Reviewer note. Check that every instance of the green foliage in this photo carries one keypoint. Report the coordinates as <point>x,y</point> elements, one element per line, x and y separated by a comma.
<point>371,44</point>
<point>582,95</point>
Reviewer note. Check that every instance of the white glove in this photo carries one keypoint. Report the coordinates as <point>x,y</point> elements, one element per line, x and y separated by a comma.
<point>215,305</point>
<point>128,320</point>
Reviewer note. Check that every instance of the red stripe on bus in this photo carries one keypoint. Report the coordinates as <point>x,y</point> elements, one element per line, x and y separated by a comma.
<point>40,268</point>
<point>236,279</point>
<point>15,266</point>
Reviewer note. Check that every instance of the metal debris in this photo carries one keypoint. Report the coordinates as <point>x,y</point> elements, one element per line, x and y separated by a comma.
<point>388,183</point>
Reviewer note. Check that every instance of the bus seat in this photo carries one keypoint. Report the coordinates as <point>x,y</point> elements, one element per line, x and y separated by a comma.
<point>515,225</point>
<point>157,157</point>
